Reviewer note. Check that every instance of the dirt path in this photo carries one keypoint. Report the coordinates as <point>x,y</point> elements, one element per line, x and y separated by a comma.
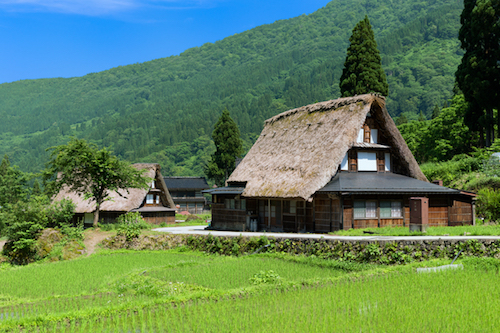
<point>2,243</point>
<point>93,238</point>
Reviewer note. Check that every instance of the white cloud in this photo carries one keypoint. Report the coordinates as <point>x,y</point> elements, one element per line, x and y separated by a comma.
<point>99,7</point>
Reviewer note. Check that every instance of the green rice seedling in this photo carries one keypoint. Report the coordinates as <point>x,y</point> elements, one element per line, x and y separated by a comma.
<point>83,276</point>
<point>236,272</point>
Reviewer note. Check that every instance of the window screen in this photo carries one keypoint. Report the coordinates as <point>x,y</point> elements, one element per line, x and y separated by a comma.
<point>150,199</point>
<point>344,165</point>
<point>374,135</point>
<point>396,210</point>
<point>367,161</point>
<point>371,209</point>
<point>385,209</point>
<point>359,209</point>
<point>361,135</point>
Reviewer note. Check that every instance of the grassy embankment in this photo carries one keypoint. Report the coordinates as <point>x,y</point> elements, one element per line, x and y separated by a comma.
<point>187,291</point>
<point>478,230</point>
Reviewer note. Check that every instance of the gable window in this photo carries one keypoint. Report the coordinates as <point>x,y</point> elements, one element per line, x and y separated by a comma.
<point>344,165</point>
<point>367,161</point>
<point>374,135</point>
<point>361,136</point>
<point>150,199</point>
<point>387,159</point>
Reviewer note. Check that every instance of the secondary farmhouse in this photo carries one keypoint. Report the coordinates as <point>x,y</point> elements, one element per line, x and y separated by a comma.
<point>332,165</point>
<point>154,204</point>
<point>186,193</point>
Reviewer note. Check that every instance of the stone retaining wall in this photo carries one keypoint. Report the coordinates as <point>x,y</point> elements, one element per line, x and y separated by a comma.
<point>374,251</point>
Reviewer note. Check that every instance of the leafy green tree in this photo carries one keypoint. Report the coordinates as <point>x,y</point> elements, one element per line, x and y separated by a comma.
<point>12,183</point>
<point>91,172</point>
<point>228,146</point>
<point>27,219</point>
<point>36,190</point>
<point>363,71</point>
<point>478,76</point>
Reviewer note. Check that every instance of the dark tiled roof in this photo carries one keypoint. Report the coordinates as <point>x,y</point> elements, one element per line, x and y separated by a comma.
<point>153,209</point>
<point>186,183</point>
<point>374,182</point>
<point>225,190</point>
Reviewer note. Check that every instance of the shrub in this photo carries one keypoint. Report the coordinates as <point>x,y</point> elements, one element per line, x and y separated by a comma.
<point>26,219</point>
<point>488,204</point>
<point>192,217</point>
<point>130,225</point>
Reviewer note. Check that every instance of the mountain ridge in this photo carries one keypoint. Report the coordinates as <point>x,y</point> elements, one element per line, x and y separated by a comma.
<point>145,111</point>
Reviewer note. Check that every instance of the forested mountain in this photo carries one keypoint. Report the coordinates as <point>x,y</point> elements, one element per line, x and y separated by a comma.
<point>164,110</point>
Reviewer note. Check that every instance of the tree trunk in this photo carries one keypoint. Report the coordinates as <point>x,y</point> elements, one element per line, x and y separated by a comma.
<point>491,124</point>
<point>498,123</point>
<point>96,215</point>
<point>488,133</point>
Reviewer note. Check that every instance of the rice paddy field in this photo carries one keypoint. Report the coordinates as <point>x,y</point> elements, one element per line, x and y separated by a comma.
<point>174,291</point>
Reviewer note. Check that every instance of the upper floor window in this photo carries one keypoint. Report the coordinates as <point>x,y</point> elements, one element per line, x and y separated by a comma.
<point>345,164</point>
<point>361,136</point>
<point>374,135</point>
<point>387,159</point>
<point>150,199</point>
<point>367,161</point>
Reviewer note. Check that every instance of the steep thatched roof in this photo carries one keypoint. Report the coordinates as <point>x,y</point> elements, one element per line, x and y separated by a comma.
<point>128,201</point>
<point>299,151</point>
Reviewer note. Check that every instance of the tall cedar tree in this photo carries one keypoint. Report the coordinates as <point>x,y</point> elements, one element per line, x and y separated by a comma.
<point>93,173</point>
<point>363,71</point>
<point>226,136</point>
<point>478,76</point>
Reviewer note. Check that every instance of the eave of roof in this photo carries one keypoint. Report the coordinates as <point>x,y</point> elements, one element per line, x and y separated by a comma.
<point>378,182</point>
<point>225,190</point>
<point>153,209</point>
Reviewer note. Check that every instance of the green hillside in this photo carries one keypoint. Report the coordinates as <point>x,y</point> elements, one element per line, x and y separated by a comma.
<point>164,110</point>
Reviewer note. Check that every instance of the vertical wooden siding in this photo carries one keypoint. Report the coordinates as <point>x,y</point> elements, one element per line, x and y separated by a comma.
<point>327,214</point>
<point>228,219</point>
<point>460,213</point>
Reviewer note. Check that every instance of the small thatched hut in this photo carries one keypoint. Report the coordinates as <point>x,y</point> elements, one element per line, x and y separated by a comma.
<point>332,165</point>
<point>155,204</point>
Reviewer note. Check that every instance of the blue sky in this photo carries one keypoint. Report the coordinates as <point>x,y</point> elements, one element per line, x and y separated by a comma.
<point>67,38</point>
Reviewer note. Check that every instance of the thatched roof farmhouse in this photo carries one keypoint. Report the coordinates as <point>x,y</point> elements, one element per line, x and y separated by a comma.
<point>331,165</point>
<point>155,204</point>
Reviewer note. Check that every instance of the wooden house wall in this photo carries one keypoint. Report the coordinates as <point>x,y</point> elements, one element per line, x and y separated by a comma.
<point>327,213</point>
<point>159,218</point>
<point>460,213</point>
<point>348,213</point>
<point>443,211</point>
<point>228,219</point>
